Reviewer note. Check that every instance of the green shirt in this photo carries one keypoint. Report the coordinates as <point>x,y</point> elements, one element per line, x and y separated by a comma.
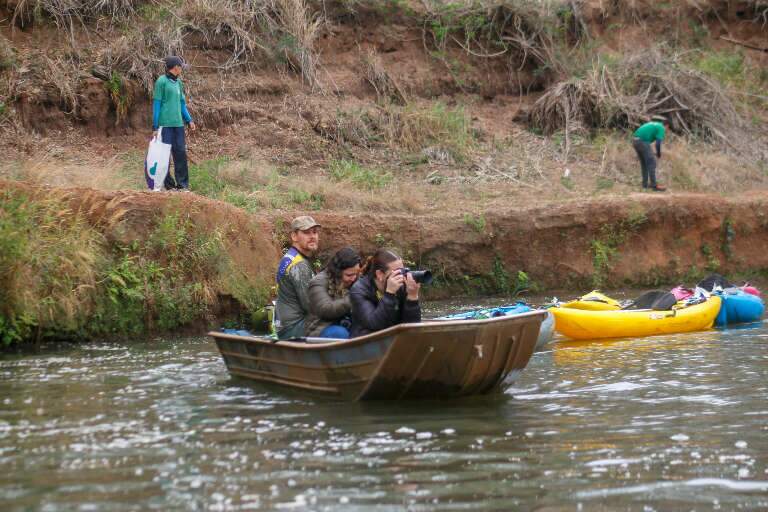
<point>650,132</point>
<point>170,94</point>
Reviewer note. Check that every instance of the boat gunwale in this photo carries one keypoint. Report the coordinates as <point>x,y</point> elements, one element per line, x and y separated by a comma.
<point>601,312</point>
<point>334,344</point>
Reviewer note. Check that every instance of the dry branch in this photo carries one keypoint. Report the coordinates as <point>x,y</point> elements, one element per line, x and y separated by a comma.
<point>630,93</point>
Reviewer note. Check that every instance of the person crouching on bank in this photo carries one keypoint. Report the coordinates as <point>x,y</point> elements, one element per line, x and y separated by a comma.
<point>383,296</point>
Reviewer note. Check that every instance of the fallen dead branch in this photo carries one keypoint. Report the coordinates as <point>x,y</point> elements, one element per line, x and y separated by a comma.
<point>628,94</point>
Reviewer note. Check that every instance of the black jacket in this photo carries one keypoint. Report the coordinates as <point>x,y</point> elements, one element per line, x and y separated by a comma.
<point>370,314</point>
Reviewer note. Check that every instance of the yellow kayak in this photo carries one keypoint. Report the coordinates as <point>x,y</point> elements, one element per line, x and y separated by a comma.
<point>588,325</point>
<point>593,301</point>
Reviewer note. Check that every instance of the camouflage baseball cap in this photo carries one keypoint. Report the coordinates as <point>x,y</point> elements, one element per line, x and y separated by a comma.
<point>303,223</point>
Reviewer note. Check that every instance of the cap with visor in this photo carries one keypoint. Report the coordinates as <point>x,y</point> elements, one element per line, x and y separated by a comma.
<point>303,223</point>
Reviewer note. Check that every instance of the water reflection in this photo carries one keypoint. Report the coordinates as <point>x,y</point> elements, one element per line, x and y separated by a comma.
<point>670,422</point>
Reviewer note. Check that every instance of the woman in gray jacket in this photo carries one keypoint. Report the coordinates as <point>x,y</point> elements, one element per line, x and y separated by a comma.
<point>329,306</point>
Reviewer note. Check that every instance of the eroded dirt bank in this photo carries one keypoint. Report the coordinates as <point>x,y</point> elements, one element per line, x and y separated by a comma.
<point>639,239</point>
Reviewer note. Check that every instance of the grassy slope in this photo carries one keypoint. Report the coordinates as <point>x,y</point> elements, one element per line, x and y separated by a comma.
<point>328,109</point>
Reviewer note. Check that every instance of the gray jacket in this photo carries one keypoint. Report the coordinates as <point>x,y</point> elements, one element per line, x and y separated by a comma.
<point>292,302</point>
<point>326,306</point>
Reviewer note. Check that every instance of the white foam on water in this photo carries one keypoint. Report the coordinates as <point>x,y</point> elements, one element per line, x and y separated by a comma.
<point>733,485</point>
<point>611,462</point>
<point>615,387</point>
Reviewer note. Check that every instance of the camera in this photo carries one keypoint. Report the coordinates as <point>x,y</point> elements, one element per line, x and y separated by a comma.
<point>420,276</point>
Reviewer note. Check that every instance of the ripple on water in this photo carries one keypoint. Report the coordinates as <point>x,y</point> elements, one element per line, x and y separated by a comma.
<point>160,426</point>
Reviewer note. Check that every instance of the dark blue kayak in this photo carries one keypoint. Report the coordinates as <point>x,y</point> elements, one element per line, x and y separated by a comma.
<point>479,314</point>
<point>739,307</point>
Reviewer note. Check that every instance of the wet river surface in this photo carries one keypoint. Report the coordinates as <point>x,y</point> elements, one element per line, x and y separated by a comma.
<point>675,422</point>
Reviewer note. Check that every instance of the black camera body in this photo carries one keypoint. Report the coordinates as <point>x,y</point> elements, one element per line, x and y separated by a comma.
<point>420,276</point>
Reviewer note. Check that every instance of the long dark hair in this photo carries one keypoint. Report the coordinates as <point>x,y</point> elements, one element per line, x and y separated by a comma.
<point>344,258</point>
<point>379,261</point>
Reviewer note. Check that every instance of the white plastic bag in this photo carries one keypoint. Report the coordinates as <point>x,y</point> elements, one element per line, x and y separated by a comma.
<point>157,162</point>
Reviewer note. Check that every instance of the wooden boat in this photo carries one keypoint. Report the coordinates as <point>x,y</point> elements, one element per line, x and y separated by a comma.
<point>430,360</point>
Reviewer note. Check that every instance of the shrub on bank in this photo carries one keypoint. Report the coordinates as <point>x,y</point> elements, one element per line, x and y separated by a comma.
<point>61,278</point>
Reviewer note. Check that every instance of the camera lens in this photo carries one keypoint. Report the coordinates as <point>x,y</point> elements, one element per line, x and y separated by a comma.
<point>422,276</point>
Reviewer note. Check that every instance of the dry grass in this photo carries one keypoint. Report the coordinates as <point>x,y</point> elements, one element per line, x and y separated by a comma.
<point>72,15</point>
<point>630,93</point>
<point>237,25</point>
<point>760,8</point>
<point>256,186</point>
<point>49,262</point>
<point>139,54</point>
<point>355,127</point>
<point>300,28</point>
<point>286,30</point>
<point>51,168</point>
<point>431,128</point>
<point>526,32</point>
<point>386,86</point>
<point>46,79</point>
<point>419,127</point>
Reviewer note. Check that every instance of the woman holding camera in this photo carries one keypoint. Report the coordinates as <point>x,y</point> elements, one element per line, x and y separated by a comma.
<point>384,296</point>
<point>329,305</point>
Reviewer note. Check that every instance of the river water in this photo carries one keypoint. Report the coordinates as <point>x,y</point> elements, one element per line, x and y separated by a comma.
<point>663,423</point>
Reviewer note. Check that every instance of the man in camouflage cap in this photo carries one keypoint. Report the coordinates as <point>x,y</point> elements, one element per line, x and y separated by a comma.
<point>293,275</point>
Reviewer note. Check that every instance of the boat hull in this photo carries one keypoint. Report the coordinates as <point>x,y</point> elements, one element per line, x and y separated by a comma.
<point>431,360</point>
<point>593,301</point>
<point>585,325</point>
<point>739,307</point>
<point>546,331</point>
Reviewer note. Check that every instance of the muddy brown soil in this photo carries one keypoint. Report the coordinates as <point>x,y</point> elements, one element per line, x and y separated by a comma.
<point>651,238</point>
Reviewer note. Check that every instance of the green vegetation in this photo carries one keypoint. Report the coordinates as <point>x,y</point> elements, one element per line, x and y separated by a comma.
<point>476,222</point>
<point>120,95</point>
<point>605,248</point>
<point>362,177</point>
<point>729,234</point>
<point>431,130</point>
<point>726,66</point>
<point>500,281</point>
<point>603,183</point>
<point>497,281</point>
<point>746,82</point>
<point>239,184</point>
<point>713,263</point>
<point>7,55</point>
<point>533,30</point>
<point>434,125</point>
<point>61,278</point>
<point>48,265</point>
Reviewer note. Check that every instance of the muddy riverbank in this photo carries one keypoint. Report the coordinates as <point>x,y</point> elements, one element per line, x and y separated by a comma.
<point>173,260</point>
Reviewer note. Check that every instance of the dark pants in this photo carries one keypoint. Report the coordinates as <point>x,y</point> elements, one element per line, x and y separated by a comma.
<point>175,137</point>
<point>647,162</point>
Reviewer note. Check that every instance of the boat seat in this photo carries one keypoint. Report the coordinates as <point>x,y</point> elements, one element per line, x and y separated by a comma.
<point>711,281</point>
<point>658,300</point>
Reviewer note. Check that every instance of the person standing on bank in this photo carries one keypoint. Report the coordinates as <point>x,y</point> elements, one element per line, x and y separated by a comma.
<point>169,115</point>
<point>644,136</point>
<point>384,296</point>
<point>293,276</point>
